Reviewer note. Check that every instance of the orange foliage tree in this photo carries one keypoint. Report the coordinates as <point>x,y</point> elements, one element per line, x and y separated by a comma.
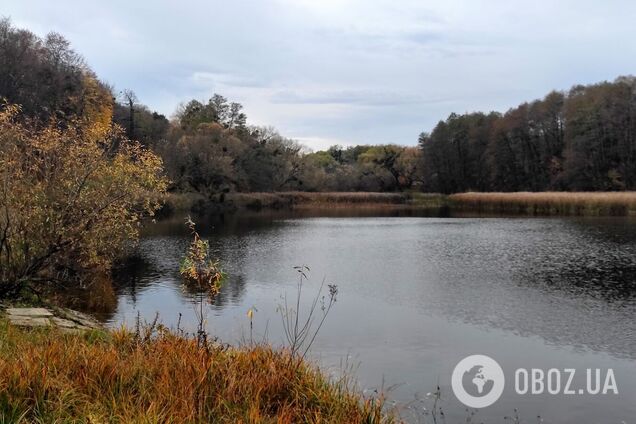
<point>71,197</point>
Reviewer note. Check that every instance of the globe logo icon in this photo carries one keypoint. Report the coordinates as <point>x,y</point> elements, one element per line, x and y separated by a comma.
<point>478,381</point>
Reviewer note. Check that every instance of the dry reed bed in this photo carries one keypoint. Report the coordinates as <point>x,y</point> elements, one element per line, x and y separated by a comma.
<point>298,198</point>
<point>548,203</point>
<point>186,202</point>
<point>333,199</point>
<point>121,377</point>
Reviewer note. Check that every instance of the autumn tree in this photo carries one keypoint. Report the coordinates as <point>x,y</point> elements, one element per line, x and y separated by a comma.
<point>600,151</point>
<point>205,160</point>
<point>71,198</point>
<point>580,140</point>
<point>216,110</point>
<point>48,79</point>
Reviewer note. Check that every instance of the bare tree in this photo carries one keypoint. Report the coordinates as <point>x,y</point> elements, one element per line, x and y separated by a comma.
<point>129,98</point>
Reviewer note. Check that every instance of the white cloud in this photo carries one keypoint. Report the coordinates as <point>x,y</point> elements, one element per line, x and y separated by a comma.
<point>348,71</point>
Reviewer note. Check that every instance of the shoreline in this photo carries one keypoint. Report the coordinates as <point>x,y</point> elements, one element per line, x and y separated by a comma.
<point>147,375</point>
<point>546,203</point>
<point>491,204</point>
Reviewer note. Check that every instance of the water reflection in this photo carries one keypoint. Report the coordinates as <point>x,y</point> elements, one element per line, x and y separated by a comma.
<point>417,293</point>
<point>96,295</point>
<point>504,273</point>
<point>134,274</point>
<point>157,263</point>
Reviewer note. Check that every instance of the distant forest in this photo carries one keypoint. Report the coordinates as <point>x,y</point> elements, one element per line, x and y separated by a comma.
<point>580,140</point>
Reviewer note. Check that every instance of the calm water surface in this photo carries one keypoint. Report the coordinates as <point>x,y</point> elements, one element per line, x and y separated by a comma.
<point>416,295</point>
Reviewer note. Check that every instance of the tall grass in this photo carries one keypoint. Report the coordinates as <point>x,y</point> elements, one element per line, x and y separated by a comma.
<point>122,377</point>
<point>547,203</point>
<point>334,199</point>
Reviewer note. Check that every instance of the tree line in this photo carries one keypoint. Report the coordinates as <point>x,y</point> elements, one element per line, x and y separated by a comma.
<point>581,140</point>
<point>208,147</point>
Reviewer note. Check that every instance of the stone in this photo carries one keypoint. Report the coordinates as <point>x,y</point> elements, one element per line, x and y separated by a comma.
<point>78,317</point>
<point>29,312</point>
<point>67,320</point>
<point>63,323</point>
<point>23,321</point>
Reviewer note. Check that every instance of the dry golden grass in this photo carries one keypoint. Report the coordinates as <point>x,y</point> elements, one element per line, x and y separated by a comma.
<point>100,377</point>
<point>295,199</point>
<point>548,203</point>
<point>349,197</point>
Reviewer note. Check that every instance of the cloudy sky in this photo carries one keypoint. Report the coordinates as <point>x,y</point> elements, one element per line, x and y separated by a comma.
<point>344,71</point>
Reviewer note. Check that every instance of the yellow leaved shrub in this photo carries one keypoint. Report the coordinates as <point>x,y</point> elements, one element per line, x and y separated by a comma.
<point>71,197</point>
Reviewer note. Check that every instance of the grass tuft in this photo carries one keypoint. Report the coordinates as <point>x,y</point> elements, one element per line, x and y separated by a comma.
<point>49,376</point>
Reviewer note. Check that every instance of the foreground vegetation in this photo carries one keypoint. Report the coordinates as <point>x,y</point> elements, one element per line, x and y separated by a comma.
<point>71,199</point>
<point>134,377</point>
<point>73,187</point>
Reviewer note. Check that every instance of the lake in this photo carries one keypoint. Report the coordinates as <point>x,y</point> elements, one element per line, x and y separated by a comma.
<point>416,295</point>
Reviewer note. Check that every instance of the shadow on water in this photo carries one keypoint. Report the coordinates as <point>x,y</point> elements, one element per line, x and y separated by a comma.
<point>417,291</point>
<point>155,261</point>
<point>96,295</point>
<point>589,261</point>
<point>158,256</point>
<point>601,264</point>
<point>249,221</point>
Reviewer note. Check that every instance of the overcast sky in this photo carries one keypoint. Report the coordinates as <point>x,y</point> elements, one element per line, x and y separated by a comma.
<point>344,71</point>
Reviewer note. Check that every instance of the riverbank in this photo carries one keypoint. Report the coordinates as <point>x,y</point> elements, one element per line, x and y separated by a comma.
<point>155,375</point>
<point>545,203</point>
<point>231,202</point>
<point>515,203</point>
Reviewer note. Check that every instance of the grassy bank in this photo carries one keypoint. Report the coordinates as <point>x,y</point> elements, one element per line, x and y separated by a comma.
<point>547,203</point>
<point>301,199</point>
<point>335,199</point>
<point>124,377</point>
<point>518,203</point>
<point>298,200</point>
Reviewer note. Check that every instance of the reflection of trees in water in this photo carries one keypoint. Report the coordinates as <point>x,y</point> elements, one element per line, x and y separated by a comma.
<point>571,283</point>
<point>157,261</point>
<point>232,253</point>
<point>600,263</point>
<point>232,290</point>
<point>586,282</point>
<point>602,279</point>
<point>244,222</point>
<point>95,296</point>
<point>132,275</point>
